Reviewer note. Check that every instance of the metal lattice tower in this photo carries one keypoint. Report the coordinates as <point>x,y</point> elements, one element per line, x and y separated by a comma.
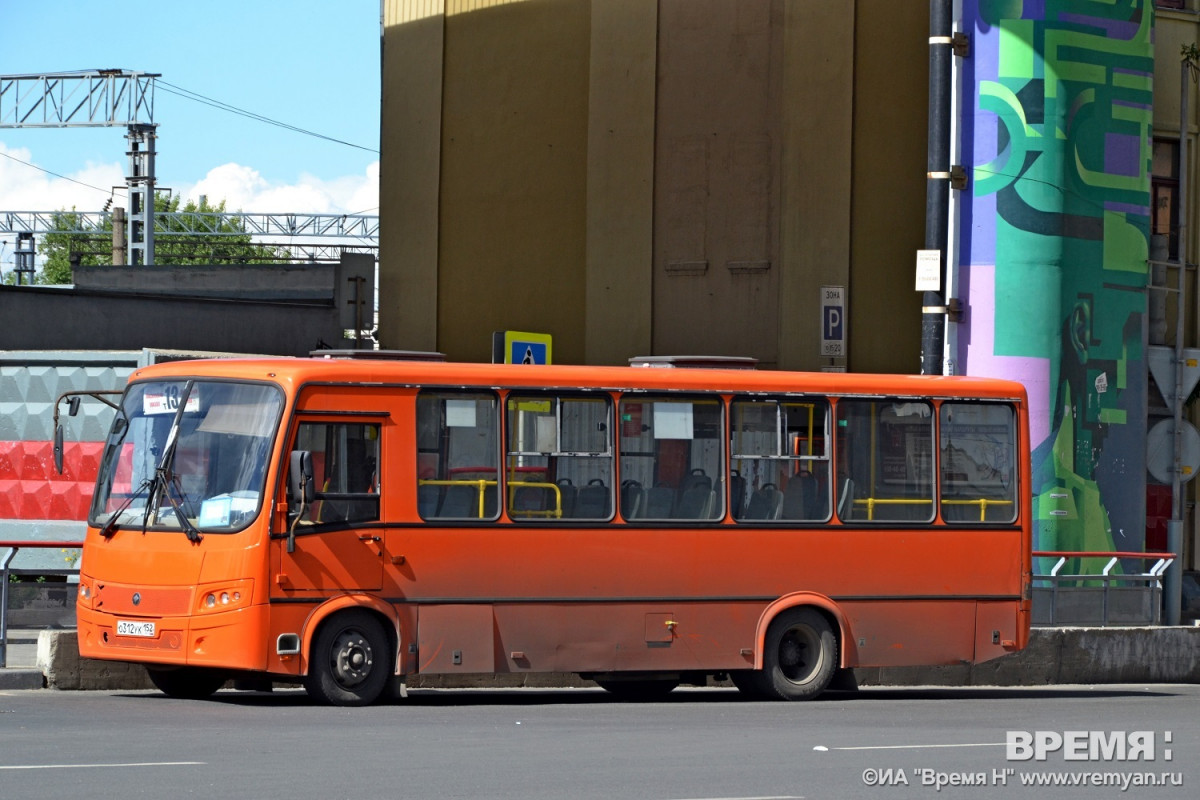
<point>89,99</point>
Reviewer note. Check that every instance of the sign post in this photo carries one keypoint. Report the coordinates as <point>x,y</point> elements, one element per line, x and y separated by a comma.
<point>521,347</point>
<point>833,321</point>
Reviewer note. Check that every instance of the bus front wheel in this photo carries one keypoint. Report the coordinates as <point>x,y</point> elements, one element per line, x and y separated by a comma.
<point>348,664</point>
<point>799,657</point>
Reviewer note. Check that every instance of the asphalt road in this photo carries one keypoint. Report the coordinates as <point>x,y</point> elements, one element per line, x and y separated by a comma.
<point>535,744</point>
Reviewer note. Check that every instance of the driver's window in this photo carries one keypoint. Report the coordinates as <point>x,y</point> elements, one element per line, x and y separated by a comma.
<point>345,459</point>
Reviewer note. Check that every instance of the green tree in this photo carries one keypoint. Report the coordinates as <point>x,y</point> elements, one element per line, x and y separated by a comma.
<point>230,244</point>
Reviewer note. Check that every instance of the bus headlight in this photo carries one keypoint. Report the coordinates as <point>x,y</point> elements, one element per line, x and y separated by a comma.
<point>83,595</point>
<point>225,598</point>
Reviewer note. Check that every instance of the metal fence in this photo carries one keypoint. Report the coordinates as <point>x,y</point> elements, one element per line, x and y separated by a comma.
<point>1111,596</point>
<point>5,572</point>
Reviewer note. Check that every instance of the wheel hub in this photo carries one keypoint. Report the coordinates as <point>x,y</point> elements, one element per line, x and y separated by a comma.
<point>352,658</point>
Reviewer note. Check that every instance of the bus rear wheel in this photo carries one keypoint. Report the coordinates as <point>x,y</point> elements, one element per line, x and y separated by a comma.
<point>799,658</point>
<point>349,663</point>
<point>187,683</point>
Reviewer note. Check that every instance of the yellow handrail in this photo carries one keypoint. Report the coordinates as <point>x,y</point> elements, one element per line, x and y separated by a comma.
<point>982,502</point>
<point>482,484</point>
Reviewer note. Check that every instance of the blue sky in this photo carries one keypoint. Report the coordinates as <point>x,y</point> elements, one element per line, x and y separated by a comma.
<point>311,64</point>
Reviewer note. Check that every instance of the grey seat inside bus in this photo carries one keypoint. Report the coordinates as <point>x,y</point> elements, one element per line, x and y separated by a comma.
<point>765,503</point>
<point>800,498</point>
<point>429,499</point>
<point>632,498</point>
<point>530,501</point>
<point>737,494</point>
<point>846,500</point>
<point>593,501</point>
<point>695,499</point>
<point>569,493</point>
<point>695,503</point>
<point>660,500</point>
<point>460,502</point>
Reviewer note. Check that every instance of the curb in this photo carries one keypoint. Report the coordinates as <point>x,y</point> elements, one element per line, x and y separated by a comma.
<point>1054,656</point>
<point>22,679</point>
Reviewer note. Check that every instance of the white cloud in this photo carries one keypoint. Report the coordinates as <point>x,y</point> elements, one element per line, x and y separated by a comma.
<point>28,188</point>
<point>243,188</point>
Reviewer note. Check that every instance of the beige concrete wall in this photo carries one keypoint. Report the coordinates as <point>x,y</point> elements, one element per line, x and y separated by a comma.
<point>817,132</point>
<point>514,176</point>
<point>410,172</point>
<point>653,176</point>
<point>717,171</point>
<point>891,101</point>
<point>620,180</point>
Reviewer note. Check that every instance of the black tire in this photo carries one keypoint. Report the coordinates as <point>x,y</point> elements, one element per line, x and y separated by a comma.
<point>186,683</point>
<point>641,691</point>
<point>799,658</point>
<point>349,664</point>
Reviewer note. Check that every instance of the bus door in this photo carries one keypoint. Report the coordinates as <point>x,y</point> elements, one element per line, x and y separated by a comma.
<point>335,539</point>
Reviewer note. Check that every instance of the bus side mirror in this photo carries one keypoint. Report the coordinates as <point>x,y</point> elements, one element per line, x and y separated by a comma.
<point>58,448</point>
<point>300,477</point>
<point>301,487</point>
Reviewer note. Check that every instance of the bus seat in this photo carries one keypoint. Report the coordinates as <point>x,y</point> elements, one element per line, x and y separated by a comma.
<point>766,503</point>
<point>632,497</point>
<point>796,500</point>
<point>569,493</point>
<point>593,502</point>
<point>429,498</point>
<point>695,503</point>
<point>460,502</point>
<point>846,500</point>
<point>696,479</point>
<point>659,502</point>
<point>530,501</point>
<point>737,494</point>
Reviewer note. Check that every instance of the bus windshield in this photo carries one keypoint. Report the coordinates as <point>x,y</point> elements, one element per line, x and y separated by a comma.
<point>187,455</point>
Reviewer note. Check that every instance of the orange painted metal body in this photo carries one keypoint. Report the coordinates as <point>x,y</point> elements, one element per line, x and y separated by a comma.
<point>510,596</point>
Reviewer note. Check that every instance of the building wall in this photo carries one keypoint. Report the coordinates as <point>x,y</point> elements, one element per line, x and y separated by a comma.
<point>1055,242</point>
<point>653,176</point>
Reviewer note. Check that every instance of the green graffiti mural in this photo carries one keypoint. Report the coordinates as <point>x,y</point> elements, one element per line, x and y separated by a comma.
<point>1062,144</point>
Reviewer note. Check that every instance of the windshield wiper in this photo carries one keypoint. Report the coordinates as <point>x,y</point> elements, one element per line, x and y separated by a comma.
<point>164,480</point>
<point>110,527</point>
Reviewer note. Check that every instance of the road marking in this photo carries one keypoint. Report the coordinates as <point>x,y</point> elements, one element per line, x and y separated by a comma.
<point>918,746</point>
<point>98,766</point>
<point>767,797</point>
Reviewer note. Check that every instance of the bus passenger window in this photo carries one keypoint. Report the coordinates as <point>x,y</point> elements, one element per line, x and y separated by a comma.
<point>977,442</point>
<point>885,460</point>
<point>345,460</point>
<point>780,459</point>
<point>558,462</point>
<point>457,455</point>
<point>672,463</point>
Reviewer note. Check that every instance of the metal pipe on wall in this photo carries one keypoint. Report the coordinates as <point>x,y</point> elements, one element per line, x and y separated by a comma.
<point>937,182</point>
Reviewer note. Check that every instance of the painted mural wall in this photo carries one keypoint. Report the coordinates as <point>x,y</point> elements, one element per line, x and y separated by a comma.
<point>1054,240</point>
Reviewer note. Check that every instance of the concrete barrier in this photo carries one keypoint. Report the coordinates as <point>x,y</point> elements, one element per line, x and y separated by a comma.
<point>1054,656</point>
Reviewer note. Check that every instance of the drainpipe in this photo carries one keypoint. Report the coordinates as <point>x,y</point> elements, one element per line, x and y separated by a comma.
<point>937,182</point>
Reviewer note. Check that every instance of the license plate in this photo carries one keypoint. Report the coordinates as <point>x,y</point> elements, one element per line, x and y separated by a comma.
<point>127,627</point>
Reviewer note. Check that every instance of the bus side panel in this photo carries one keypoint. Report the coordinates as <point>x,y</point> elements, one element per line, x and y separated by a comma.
<point>604,637</point>
<point>900,633</point>
<point>999,629</point>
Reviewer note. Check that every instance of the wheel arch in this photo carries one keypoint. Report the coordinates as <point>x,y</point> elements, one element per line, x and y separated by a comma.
<point>336,605</point>
<point>820,602</point>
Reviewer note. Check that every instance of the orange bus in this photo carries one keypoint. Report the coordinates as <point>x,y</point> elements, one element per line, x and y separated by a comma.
<point>349,523</point>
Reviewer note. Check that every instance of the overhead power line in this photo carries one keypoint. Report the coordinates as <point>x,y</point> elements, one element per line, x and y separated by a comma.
<point>208,101</point>
<point>55,174</point>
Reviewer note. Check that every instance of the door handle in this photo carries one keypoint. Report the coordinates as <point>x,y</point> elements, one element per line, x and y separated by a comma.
<point>366,537</point>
